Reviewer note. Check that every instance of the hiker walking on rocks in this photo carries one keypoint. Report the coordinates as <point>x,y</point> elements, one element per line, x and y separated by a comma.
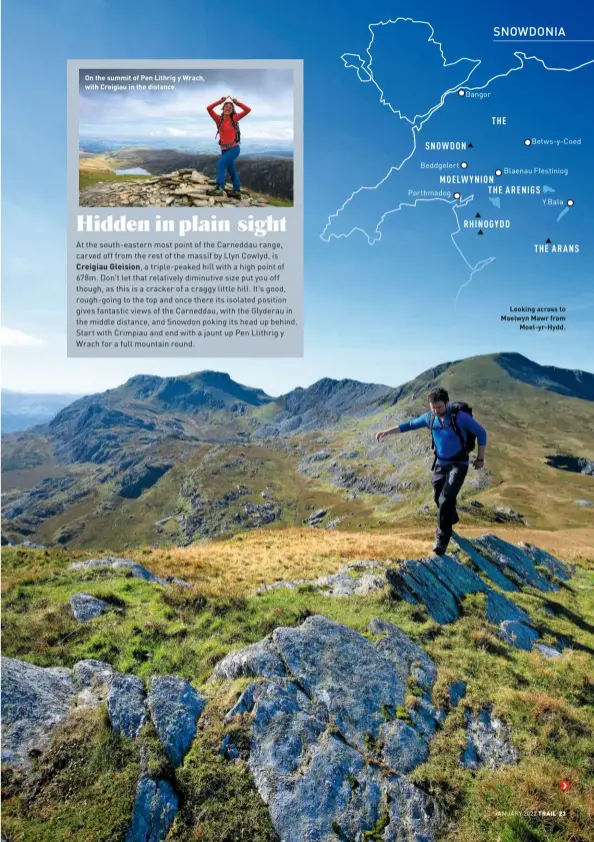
<point>229,138</point>
<point>454,433</point>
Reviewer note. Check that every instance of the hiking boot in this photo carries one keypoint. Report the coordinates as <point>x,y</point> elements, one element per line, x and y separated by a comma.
<point>234,194</point>
<point>441,543</point>
<point>216,191</point>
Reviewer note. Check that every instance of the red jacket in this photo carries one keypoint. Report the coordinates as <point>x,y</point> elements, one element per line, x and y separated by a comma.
<point>227,129</point>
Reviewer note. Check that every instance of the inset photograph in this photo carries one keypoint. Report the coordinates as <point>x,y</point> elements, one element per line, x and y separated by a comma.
<point>193,138</point>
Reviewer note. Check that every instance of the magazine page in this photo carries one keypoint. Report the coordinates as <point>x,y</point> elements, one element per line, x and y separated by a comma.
<point>297,422</point>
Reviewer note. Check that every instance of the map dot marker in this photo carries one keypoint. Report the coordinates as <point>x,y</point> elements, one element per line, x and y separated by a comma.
<point>498,172</point>
<point>457,195</point>
<point>464,164</point>
<point>527,142</point>
<point>570,203</point>
<point>548,240</point>
<point>461,92</point>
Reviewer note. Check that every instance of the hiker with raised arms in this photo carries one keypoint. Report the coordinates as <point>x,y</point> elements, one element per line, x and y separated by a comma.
<point>454,434</point>
<point>229,139</point>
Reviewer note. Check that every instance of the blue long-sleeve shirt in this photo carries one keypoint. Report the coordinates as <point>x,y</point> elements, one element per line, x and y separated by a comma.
<point>447,442</point>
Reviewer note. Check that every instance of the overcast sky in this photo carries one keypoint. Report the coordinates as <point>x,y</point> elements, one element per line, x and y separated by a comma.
<point>181,113</point>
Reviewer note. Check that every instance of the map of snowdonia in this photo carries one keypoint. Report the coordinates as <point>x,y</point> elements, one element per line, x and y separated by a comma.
<point>500,143</point>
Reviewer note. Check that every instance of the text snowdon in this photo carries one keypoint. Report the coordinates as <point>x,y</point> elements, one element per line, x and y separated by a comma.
<point>528,31</point>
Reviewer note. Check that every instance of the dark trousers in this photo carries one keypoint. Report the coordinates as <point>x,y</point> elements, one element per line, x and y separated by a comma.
<point>447,481</point>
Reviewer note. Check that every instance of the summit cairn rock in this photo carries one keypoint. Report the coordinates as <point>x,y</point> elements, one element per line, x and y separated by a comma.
<point>181,188</point>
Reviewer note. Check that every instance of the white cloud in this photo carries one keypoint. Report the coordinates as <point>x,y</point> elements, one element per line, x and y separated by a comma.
<point>183,112</point>
<point>17,339</point>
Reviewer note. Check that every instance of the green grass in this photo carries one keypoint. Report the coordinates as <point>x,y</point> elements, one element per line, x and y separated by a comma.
<point>87,178</point>
<point>151,630</point>
<point>83,787</point>
<point>218,797</point>
<point>271,200</point>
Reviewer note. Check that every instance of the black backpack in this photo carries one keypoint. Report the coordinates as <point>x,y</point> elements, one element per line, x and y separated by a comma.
<point>237,131</point>
<point>467,441</point>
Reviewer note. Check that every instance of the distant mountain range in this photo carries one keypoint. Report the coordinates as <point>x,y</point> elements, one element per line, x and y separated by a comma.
<point>21,410</point>
<point>170,460</point>
<point>194,146</point>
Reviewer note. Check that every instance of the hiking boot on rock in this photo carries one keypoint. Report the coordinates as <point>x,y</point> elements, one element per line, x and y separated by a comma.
<point>441,542</point>
<point>216,191</point>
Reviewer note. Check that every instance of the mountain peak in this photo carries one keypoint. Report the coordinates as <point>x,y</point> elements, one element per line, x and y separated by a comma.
<point>563,381</point>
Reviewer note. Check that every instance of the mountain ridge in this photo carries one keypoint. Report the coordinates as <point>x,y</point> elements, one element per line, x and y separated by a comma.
<point>209,456</point>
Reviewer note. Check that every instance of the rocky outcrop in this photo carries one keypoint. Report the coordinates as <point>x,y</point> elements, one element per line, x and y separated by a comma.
<point>356,579</point>
<point>259,659</point>
<point>561,570</point>
<point>518,635</point>
<point>34,701</point>
<point>92,680</point>
<point>126,704</point>
<point>86,607</point>
<point>209,517</point>
<point>316,517</point>
<point>175,708</point>
<point>441,582</point>
<point>575,464</point>
<point>154,811</point>
<point>457,692</point>
<point>138,479</point>
<point>330,739</point>
<point>180,188</point>
<point>483,564</point>
<point>517,564</point>
<point>136,570</point>
<point>488,742</point>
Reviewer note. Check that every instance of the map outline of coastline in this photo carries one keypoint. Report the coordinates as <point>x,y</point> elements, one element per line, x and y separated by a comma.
<point>520,55</point>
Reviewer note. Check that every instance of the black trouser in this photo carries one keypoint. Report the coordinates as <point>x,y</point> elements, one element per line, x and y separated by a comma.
<point>447,481</point>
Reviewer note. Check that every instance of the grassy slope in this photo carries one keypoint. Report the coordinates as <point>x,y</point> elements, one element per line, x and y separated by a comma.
<point>151,630</point>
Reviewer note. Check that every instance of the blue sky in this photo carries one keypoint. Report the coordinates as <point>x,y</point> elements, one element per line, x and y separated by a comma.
<point>150,115</point>
<point>380,313</point>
